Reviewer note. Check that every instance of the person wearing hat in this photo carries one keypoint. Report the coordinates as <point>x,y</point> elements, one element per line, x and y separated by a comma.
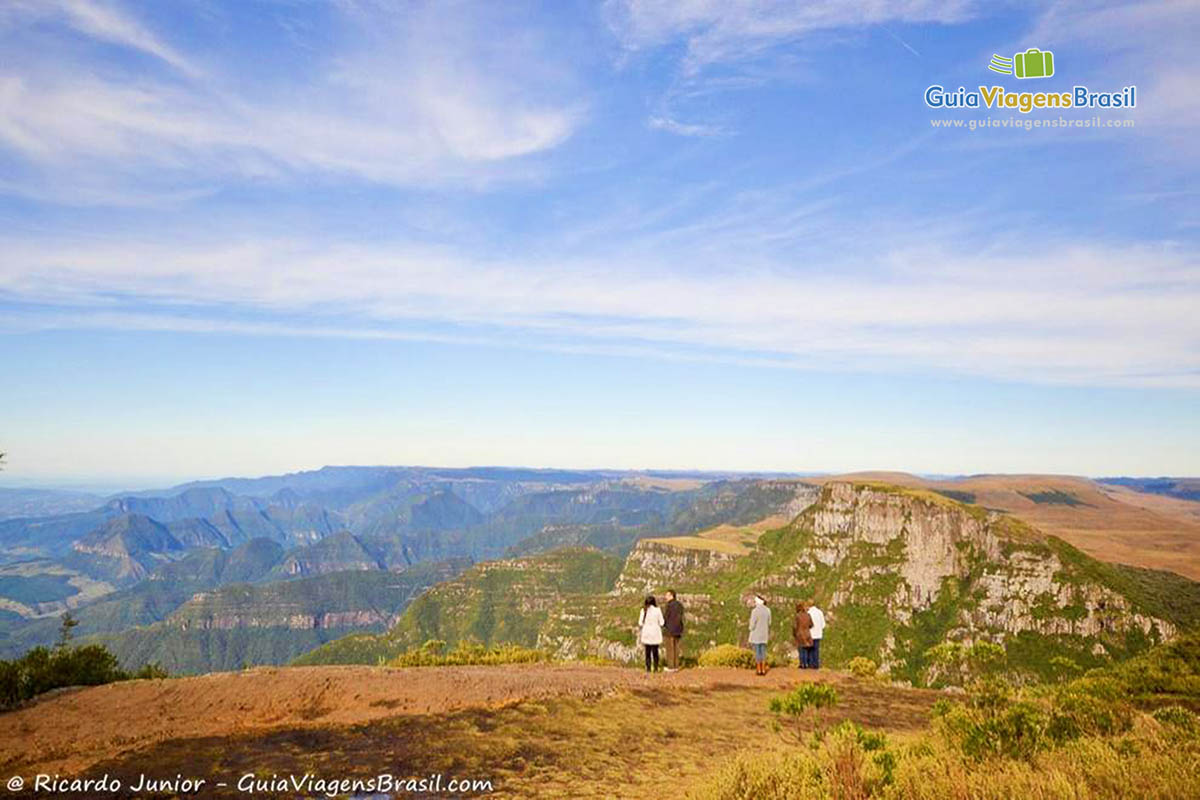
<point>760,632</point>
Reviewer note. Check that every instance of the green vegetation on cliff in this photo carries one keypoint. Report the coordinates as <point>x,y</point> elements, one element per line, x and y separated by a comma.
<point>271,623</point>
<point>499,602</point>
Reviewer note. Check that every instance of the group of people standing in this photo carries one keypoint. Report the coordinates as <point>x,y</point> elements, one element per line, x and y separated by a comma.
<point>808,627</point>
<point>658,626</point>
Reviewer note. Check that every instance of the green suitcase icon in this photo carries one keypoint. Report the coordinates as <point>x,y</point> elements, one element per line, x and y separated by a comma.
<point>1034,63</point>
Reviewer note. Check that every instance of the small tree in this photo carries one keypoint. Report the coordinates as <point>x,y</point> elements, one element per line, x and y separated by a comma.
<point>807,701</point>
<point>66,630</point>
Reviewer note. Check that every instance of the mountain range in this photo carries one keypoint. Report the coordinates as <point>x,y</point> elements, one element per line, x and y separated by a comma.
<point>134,568</point>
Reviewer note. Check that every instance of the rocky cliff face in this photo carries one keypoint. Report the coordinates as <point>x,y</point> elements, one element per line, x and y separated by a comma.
<point>982,574</point>
<point>653,566</point>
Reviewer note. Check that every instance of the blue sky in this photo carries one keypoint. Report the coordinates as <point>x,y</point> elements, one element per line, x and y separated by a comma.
<point>267,235</point>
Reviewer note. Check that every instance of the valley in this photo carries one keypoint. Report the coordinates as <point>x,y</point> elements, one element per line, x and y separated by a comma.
<point>313,556</point>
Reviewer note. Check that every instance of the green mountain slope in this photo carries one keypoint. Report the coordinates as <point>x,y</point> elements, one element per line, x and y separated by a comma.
<point>152,600</point>
<point>514,600</point>
<point>271,623</point>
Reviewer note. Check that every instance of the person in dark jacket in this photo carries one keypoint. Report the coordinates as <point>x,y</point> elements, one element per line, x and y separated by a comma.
<point>802,635</point>
<point>673,629</point>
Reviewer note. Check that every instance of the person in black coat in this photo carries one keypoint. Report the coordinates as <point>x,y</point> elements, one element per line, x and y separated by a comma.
<point>673,629</point>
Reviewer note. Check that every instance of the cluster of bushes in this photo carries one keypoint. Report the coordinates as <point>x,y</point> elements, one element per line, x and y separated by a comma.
<point>43,669</point>
<point>434,654</point>
<point>996,720</point>
<point>727,655</point>
<point>863,668</point>
<point>1127,731</point>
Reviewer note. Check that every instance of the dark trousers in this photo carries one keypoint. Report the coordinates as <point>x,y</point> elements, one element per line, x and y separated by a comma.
<point>673,651</point>
<point>810,657</point>
<point>651,654</point>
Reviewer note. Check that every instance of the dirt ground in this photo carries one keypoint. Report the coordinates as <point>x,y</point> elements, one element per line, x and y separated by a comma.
<point>535,730</point>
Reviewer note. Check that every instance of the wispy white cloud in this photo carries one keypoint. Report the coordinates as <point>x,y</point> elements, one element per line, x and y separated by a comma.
<point>403,98</point>
<point>1066,314</point>
<point>101,21</point>
<point>670,125</point>
<point>1151,44</point>
<point>722,31</point>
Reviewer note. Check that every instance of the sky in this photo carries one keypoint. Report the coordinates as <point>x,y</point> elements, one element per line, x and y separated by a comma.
<point>257,236</point>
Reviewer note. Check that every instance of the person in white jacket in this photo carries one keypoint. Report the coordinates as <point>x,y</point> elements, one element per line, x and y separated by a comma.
<point>818,630</point>
<point>650,631</point>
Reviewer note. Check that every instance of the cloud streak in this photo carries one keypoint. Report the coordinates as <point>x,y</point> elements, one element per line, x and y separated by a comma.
<point>1069,314</point>
<point>408,99</point>
<point>725,31</point>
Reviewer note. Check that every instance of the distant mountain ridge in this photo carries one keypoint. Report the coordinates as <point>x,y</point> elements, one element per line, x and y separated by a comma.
<point>134,560</point>
<point>1181,488</point>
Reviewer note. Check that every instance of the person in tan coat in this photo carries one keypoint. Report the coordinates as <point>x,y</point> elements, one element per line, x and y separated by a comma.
<point>802,635</point>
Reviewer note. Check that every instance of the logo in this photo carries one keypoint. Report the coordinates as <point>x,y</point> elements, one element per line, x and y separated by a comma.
<point>1033,63</point>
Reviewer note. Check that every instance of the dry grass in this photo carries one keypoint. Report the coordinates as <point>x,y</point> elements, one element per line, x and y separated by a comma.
<point>732,539</point>
<point>624,743</point>
<point>1151,761</point>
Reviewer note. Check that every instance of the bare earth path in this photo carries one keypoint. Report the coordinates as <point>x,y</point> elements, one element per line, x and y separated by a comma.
<point>536,730</point>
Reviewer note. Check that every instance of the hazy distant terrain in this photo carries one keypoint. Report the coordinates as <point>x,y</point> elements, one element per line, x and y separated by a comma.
<point>43,502</point>
<point>133,568</point>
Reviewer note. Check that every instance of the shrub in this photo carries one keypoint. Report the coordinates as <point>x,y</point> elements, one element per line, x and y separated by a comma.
<point>1075,714</point>
<point>861,667</point>
<point>42,669</point>
<point>152,671</point>
<point>806,700</point>
<point>1018,730</point>
<point>433,654</point>
<point>727,655</point>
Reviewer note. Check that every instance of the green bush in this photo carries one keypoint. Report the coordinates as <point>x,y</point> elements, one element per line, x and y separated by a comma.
<point>806,700</point>
<point>433,654</point>
<point>1076,713</point>
<point>727,655</point>
<point>150,672</point>
<point>41,670</point>
<point>861,667</point>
